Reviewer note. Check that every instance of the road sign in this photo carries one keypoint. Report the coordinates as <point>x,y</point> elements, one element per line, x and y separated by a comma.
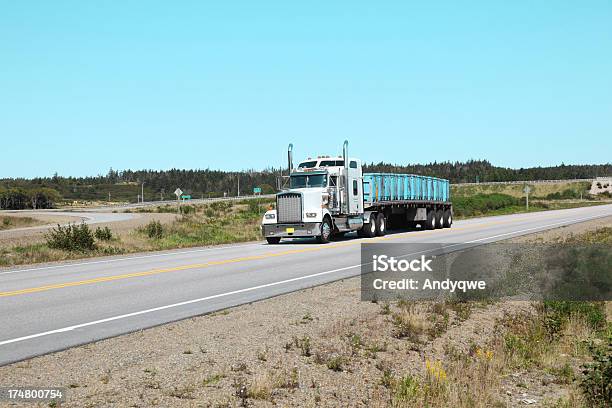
<point>178,192</point>
<point>186,197</point>
<point>527,189</point>
<point>257,190</point>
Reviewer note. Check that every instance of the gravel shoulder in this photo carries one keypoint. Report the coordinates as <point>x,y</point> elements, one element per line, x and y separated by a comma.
<point>225,358</point>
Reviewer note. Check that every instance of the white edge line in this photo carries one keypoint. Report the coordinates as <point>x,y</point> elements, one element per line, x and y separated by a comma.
<point>234,292</point>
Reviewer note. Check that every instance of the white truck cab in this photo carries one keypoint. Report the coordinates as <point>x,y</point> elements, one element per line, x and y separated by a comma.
<point>317,202</point>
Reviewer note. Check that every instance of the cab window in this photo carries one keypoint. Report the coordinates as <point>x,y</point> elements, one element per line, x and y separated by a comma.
<point>307,165</point>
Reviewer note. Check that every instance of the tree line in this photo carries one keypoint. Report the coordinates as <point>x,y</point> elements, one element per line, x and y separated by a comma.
<point>18,198</point>
<point>126,185</point>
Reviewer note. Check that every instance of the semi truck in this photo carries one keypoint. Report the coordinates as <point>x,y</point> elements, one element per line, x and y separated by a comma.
<point>330,196</point>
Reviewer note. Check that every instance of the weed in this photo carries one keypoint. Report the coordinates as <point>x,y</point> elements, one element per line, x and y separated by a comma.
<point>307,318</point>
<point>304,345</point>
<point>406,389</point>
<point>213,379</point>
<point>385,309</point>
<point>335,363</point>
<point>407,326</point>
<point>386,380</point>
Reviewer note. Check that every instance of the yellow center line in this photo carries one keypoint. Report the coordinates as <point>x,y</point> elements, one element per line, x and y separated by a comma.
<point>236,260</point>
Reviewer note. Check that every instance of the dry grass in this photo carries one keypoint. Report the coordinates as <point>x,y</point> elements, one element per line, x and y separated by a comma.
<point>516,190</point>
<point>8,222</point>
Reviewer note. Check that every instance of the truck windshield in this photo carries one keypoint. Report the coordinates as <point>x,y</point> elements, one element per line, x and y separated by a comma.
<point>307,165</point>
<point>309,180</point>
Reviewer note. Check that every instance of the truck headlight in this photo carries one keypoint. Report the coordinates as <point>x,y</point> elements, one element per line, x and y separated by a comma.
<point>311,215</point>
<point>270,216</point>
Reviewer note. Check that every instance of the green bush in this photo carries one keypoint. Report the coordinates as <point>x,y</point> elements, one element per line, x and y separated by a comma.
<point>564,195</point>
<point>597,381</point>
<point>482,203</point>
<point>558,312</point>
<point>72,237</point>
<point>154,230</point>
<point>188,209</point>
<point>103,234</point>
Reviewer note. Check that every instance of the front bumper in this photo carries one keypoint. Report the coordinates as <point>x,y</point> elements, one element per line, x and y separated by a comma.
<point>306,229</point>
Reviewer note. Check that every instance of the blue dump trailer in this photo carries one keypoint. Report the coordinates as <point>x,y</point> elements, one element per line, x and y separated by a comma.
<point>332,196</point>
<point>401,187</point>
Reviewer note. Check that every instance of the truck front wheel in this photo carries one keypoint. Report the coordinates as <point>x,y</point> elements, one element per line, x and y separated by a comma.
<point>273,240</point>
<point>326,230</point>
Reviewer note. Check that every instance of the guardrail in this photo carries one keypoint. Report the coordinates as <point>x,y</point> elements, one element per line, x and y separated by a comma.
<point>590,180</point>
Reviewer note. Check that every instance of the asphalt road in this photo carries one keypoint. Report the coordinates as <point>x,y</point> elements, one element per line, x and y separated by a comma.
<point>49,308</point>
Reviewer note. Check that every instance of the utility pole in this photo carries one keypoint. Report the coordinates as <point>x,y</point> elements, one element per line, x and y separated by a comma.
<point>142,192</point>
<point>109,196</point>
<point>238,177</point>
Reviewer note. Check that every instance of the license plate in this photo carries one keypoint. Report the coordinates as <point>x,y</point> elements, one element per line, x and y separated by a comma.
<point>290,230</point>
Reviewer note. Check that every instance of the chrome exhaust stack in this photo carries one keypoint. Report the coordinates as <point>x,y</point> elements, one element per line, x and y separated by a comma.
<point>290,157</point>
<point>345,157</point>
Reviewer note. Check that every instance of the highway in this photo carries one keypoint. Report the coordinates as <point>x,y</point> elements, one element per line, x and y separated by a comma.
<point>52,307</point>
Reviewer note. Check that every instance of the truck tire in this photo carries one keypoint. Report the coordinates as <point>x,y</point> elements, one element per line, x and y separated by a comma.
<point>430,223</point>
<point>368,230</point>
<point>439,219</point>
<point>381,225</point>
<point>326,231</point>
<point>273,240</point>
<point>447,218</point>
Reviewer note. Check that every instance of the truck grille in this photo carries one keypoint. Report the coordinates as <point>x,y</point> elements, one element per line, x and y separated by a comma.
<point>289,207</point>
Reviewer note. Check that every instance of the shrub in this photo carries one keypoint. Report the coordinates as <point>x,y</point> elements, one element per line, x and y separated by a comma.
<point>103,234</point>
<point>154,230</point>
<point>597,381</point>
<point>188,209</point>
<point>482,203</point>
<point>72,237</point>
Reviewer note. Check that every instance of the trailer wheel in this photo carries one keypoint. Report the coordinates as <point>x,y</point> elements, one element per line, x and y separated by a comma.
<point>439,219</point>
<point>326,231</point>
<point>447,220</point>
<point>430,223</point>
<point>368,230</point>
<point>381,225</point>
<point>273,240</point>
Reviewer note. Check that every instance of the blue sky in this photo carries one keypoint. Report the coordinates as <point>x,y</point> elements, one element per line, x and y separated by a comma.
<point>85,86</point>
